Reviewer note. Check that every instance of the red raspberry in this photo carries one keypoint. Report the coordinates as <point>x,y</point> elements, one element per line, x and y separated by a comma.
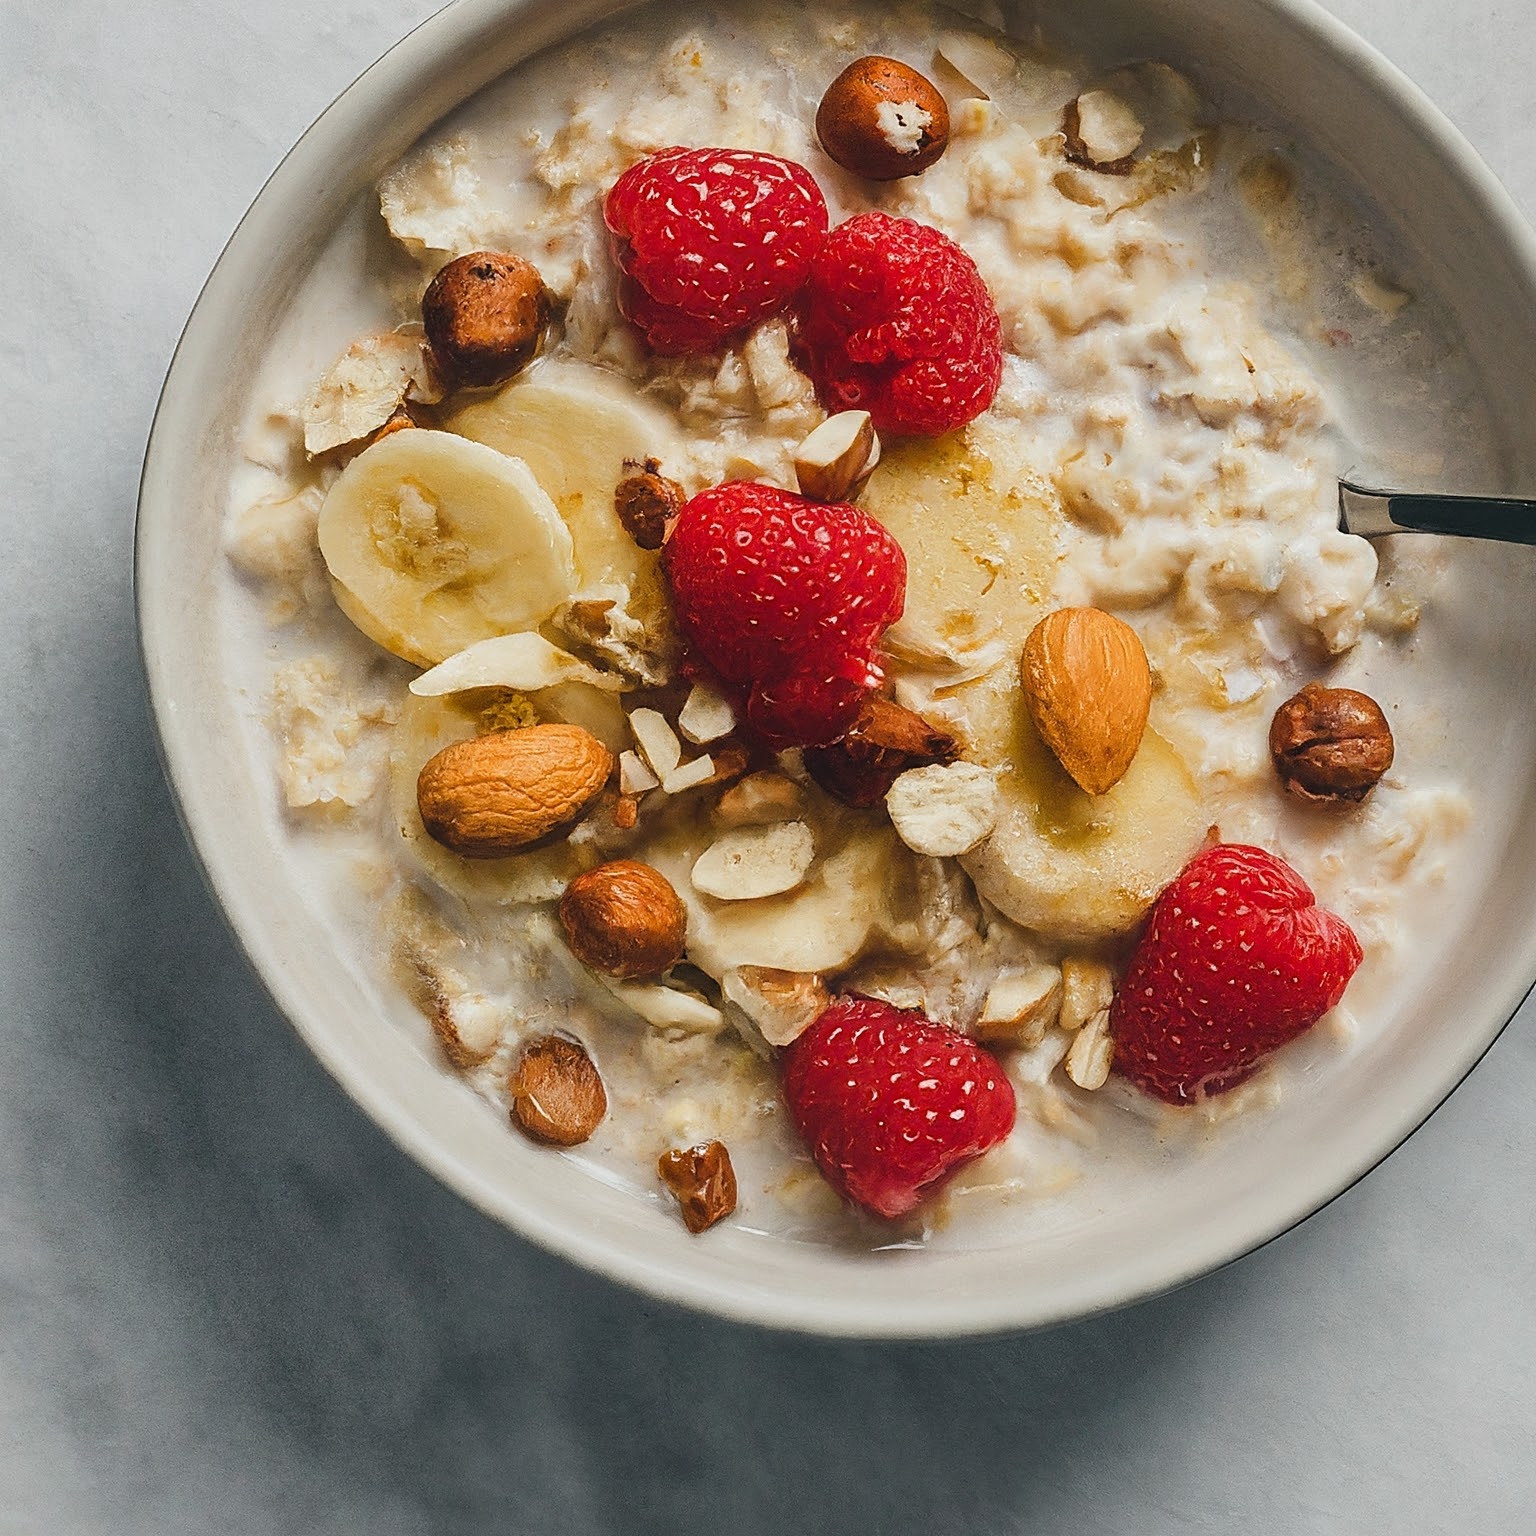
<point>1237,960</point>
<point>890,1103</point>
<point>710,241</point>
<point>786,599</point>
<point>896,321</point>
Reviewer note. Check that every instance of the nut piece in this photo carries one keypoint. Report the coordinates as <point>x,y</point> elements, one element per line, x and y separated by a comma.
<point>836,459</point>
<point>1087,988</point>
<point>485,315</point>
<point>750,862</point>
<point>557,1095</point>
<point>703,1180</point>
<point>783,1004</point>
<point>706,716</point>
<point>1091,1053</point>
<point>646,501</point>
<point>1088,689</point>
<point>760,797</point>
<point>886,740</point>
<point>1021,1005</point>
<point>657,741</point>
<point>624,919</point>
<point>1330,745</point>
<point>882,120</point>
<point>944,810</point>
<point>1102,133</point>
<point>493,795</point>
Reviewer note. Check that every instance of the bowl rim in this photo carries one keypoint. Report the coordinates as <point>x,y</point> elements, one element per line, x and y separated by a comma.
<point>425,48</point>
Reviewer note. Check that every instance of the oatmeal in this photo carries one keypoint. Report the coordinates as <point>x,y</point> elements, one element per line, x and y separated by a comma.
<point>736,671</point>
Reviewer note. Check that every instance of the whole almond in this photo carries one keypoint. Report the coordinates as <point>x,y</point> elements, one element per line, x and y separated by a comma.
<point>882,120</point>
<point>1088,689</point>
<point>624,919</point>
<point>557,1095</point>
<point>703,1180</point>
<point>493,795</point>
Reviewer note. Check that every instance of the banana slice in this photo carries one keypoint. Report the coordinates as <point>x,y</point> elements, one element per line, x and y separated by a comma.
<point>426,726</point>
<point>434,543</point>
<point>1074,867</point>
<point>574,426</point>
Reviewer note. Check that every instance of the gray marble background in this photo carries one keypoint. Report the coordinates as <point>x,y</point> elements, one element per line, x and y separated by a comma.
<point>228,1305</point>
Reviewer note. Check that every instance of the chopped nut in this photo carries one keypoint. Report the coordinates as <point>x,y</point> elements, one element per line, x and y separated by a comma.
<point>703,1180</point>
<point>646,501</point>
<point>1092,1053</point>
<point>886,740</point>
<point>670,1009</point>
<point>751,862</point>
<point>882,120</point>
<point>760,797</point>
<point>485,315</point>
<point>783,1004</point>
<point>1087,988</point>
<point>1330,745</point>
<point>657,741</point>
<point>525,663</point>
<point>557,1094</point>
<point>635,776</point>
<point>626,813</point>
<point>1021,1005</point>
<point>836,459</point>
<point>705,716</point>
<point>944,810</point>
<point>730,763</point>
<point>1101,132</point>
<point>689,775</point>
<point>624,919</point>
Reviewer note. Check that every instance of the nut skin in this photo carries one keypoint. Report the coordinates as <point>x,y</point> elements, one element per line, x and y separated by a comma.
<point>646,501</point>
<point>848,125</point>
<point>624,919</point>
<point>1330,746</point>
<point>703,1180</point>
<point>1088,689</point>
<point>497,794</point>
<point>886,740</point>
<point>485,315</point>
<point>557,1095</point>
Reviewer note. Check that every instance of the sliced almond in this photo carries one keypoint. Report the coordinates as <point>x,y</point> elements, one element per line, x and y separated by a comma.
<point>703,1180</point>
<point>635,776</point>
<point>689,775</point>
<point>657,741</point>
<point>706,716</point>
<point>752,862</point>
<point>837,458</point>
<point>1101,132</point>
<point>1087,988</point>
<point>1021,1005</point>
<point>557,1094</point>
<point>944,810</point>
<point>783,1004</point>
<point>525,663</point>
<point>1092,1053</point>
<point>1088,688</point>
<point>669,1008</point>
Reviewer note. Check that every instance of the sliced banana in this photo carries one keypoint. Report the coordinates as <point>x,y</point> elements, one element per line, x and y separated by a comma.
<point>426,726</point>
<point>1075,867</point>
<point>434,542</point>
<point>575,426</point>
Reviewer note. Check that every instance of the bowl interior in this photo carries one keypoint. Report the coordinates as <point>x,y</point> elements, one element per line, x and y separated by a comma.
<point>1287,63</point>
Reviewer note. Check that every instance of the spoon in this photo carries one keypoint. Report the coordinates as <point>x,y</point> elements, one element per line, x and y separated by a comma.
<point>1373,514</point>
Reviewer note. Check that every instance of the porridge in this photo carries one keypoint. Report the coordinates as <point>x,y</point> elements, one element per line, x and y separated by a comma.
<point>804,624</point>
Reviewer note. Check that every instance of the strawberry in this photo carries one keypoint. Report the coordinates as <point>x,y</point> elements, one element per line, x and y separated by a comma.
<point>890,1103</point>
<point>1237,959</point>
<point>785,600</point>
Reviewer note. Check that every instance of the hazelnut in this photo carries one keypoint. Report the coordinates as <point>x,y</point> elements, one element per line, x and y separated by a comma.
<point>882,120</point>
<point>557,1095</point>
<point>485,315</point>
<point>703,1180</point>
<point>624,919</point>
<point>885,741</point>
<point>646,501</point>
<point>1330,745</point>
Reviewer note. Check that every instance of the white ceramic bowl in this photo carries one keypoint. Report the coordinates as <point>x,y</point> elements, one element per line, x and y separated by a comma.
<point>1298,67</point>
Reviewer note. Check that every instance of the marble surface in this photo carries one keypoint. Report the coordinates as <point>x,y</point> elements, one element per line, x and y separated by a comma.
<point>227,1304</point>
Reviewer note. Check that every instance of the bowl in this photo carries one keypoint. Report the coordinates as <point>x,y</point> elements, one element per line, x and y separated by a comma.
<point>1430,191</point>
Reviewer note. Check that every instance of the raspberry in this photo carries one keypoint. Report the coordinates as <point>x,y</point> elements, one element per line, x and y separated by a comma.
<point>710,241</point>
<point>896,321</point>
<point>1237,960</point>
<point>890,1103</point>
<point>786,599</point>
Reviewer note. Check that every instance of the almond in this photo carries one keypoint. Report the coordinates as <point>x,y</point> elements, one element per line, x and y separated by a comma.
<point>836,459</point>
<point>495,794</point>
<point>783,1004</point>
<point>886,740</point>
<point>1088,689</point>
<point>1101,132</point>
<point>557,1094</point>
<point>624,919</point>
<point>752,862</point>
<point>702,1179</point>
<point>882,120</point>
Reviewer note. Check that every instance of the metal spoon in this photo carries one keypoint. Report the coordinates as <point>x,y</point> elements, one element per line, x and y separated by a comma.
<point>1374,514</point>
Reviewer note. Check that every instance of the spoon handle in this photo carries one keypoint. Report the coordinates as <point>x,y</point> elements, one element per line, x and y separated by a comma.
<point>1373,514</point>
